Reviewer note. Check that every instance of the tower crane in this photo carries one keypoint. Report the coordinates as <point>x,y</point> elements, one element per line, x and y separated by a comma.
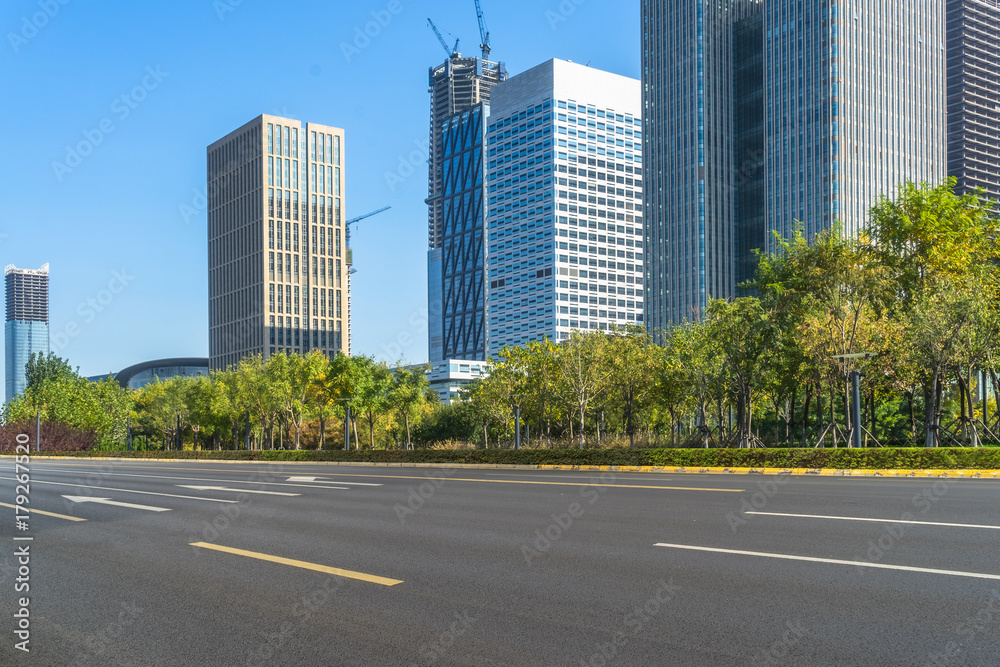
<point>484,34</point>
<point>444,44</point>
<point>347,233</point>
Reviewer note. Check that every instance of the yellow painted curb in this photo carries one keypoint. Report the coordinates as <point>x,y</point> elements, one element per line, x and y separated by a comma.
<point>825,472</point>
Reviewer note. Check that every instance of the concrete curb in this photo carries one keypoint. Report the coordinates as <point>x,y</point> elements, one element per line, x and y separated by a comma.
<point>812,472</point>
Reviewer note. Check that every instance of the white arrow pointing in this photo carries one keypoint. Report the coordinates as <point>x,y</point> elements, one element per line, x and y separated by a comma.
<point>108,501</point>
<point>222,488</point>
<point>328,481</point>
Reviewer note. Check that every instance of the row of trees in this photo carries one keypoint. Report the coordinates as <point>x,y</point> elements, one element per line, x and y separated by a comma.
<point>281,399</point>
<point>912,303</point>
<point>917,293</point>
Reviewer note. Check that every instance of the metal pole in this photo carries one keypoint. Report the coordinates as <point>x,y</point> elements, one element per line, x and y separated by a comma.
<point>178,437</point>
<point>986,400</point>
<point>38,431</point>
<point>856,408</point>
<point>128,432</point>
<point>517,424</point>
<point>246,436</point>
<point>347,431</point>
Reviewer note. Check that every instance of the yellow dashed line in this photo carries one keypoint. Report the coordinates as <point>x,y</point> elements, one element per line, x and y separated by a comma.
<point>36,511</point>
<point>304,565</point>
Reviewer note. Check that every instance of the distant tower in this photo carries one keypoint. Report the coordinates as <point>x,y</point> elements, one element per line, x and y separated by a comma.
<point>277,256</point>
<point>26,329</point>
<point>456,240</point>
<point>974,95</point>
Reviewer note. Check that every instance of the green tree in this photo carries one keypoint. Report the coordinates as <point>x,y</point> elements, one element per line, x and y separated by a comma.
<point>630,359</point>
<point>41,368</point>
<point>407,393</point>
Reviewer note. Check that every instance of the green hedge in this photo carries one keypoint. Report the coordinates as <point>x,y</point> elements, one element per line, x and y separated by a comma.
<point>904,458</point>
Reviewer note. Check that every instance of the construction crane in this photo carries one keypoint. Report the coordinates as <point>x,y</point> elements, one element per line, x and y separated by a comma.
<point>347,234</point>
<point>484,34</point>
<point>444,44</point>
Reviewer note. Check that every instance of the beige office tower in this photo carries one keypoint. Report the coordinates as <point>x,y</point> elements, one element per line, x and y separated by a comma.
<point>278,265</point>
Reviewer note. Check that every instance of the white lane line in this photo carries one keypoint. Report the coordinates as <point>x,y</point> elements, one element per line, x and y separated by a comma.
<point>108,501</point>
<point>328,481</point>
<point>233,481</point>
<point>832,561</point>
<point>222,488</point>
<point>858,518</point>
<point>145,493</point>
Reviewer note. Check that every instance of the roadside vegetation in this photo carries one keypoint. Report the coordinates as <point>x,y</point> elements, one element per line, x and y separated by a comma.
<point>912,303</point>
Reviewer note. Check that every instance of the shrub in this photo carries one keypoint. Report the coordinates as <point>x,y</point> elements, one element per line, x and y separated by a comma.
<point>56,437</point>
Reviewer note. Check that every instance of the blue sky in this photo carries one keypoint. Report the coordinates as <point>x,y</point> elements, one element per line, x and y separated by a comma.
<point>109,107</point>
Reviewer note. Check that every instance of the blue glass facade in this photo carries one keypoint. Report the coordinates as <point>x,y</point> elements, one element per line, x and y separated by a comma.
<point>456,259</point>
<point>26,327</point>
<point>763,113</point>
<point>463,250</point>
<point>22,339</point>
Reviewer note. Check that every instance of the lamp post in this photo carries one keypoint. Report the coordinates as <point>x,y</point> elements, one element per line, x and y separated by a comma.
<point>347,422</point>
<point>855,378</point>
<point>517,427</point>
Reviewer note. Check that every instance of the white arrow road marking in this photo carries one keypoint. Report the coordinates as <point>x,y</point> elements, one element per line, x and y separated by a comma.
<point>145,493</point>
<point>325,481</point>
<point>222,488</point>
<point>108,501</point>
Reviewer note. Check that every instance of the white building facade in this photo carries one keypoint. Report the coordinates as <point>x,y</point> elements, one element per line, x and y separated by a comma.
<point>565,217</point>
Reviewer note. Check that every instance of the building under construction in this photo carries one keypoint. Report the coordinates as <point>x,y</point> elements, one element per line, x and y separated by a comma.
<point>456,85</point>
<point>456,229</point>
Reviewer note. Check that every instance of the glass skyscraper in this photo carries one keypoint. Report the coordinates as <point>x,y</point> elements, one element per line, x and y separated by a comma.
<point>763,113</point>
<point>456,258</point>
<point>564,173</point>
<point>974,95</point>
<point>463,248</point>
<point>26,327</point>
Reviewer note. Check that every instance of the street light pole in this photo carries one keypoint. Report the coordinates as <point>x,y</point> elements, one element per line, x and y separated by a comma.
<point>347,430</point>
<point>856,407</point>
<point>517,427</point>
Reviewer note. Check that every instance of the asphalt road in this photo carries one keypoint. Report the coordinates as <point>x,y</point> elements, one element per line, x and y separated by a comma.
<point>414,566</point>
